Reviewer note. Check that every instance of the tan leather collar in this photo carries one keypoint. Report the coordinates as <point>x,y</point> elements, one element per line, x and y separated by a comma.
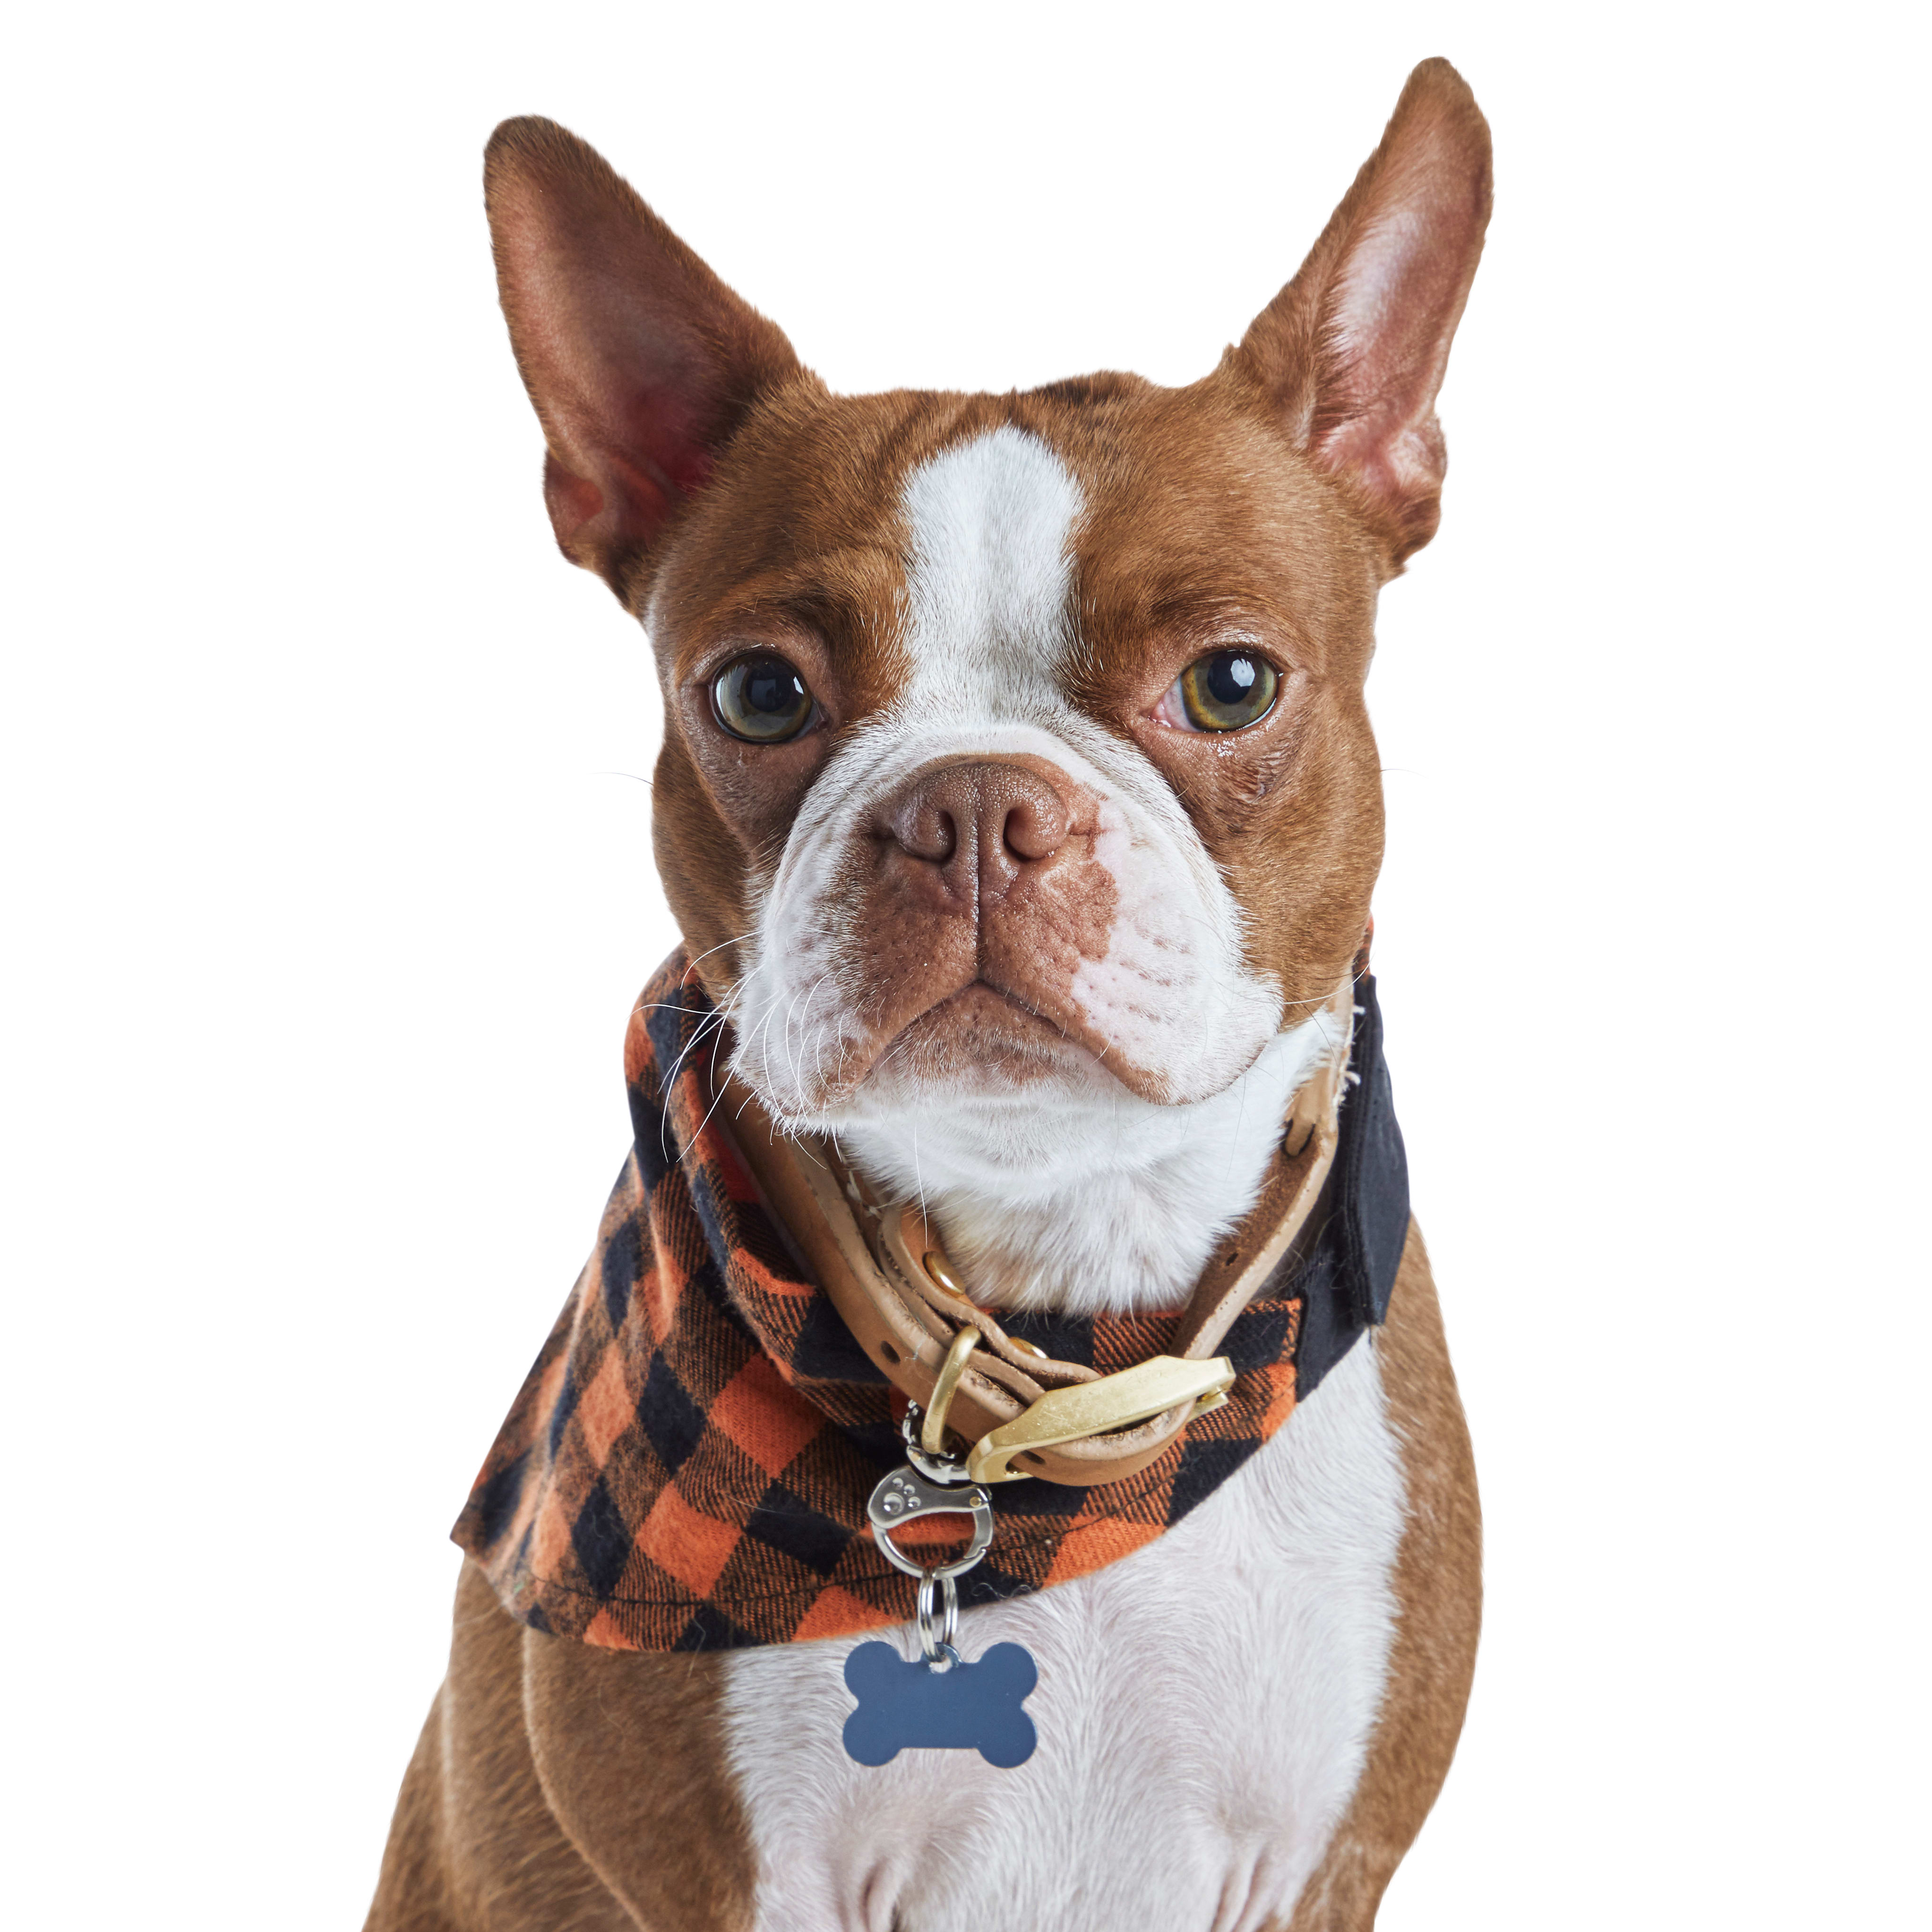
<point>881,1266</point>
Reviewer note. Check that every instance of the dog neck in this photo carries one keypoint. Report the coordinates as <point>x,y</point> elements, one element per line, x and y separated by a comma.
<point>1103,1203</point>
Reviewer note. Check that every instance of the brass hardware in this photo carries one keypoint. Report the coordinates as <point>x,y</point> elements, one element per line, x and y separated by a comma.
<point>932,1430</point>
<point>936,1264</point>
<point>940,1270</point>
<point>1098,1407</point>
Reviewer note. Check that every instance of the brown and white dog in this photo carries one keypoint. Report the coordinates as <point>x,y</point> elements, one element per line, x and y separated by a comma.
<point>1019,801</point>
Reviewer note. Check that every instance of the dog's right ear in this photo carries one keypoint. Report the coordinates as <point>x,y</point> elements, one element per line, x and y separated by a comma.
<point>641,363</point>
<point>1350,355</point>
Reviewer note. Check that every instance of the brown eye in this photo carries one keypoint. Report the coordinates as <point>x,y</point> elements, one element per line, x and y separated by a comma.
<point>761,699</point>
<point>1231,688</point>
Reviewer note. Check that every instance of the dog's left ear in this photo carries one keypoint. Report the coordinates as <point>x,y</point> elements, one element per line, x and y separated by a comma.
<point>1351,353</point>
<point>642,364</point>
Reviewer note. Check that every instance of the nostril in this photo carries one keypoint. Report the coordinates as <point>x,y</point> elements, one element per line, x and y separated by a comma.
<point>945,839</point>
<point>1001,816</point>
<point>1034,829</point>
<point>924,828</point>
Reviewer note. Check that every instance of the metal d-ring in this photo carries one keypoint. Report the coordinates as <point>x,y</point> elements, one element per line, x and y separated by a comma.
<point>938,1649</point>
<point>932,1429</point>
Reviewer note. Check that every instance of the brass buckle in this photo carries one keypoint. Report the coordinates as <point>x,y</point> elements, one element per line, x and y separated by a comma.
<point>1100,1408</point>
<point>932,1430</point>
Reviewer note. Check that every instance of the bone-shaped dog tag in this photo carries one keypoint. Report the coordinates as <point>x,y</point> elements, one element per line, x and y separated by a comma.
<point>951,1706</point>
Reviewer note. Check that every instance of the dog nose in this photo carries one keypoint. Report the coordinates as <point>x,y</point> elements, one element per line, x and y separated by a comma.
<point>979,823</point>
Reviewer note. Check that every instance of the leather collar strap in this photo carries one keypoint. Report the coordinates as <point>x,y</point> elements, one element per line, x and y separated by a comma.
<point>881,1265</point>
<point>688,1463</point>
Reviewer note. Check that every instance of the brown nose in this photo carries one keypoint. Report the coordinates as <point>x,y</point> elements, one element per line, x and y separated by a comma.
<point>979,824</point>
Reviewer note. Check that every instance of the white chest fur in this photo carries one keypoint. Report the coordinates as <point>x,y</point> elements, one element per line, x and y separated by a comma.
<point>1204,1709</point>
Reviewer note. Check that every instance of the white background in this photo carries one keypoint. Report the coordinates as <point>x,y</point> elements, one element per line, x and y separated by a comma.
<point>329,884</point>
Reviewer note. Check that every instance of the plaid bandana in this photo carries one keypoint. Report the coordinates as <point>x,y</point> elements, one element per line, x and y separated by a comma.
<point>688,1464</point>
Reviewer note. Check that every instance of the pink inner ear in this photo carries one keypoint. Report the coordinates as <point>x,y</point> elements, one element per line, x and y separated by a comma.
<point>1387,339</point>
<point>1392,313</point>
<point>1390,316</point>
<point>640,361</point>
<point>676,426</point>
<point>651,449</point>
<point>658,450</point>
<point>1354,348</point>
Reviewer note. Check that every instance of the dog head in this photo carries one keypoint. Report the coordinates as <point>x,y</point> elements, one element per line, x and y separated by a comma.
<point>1015,754</point>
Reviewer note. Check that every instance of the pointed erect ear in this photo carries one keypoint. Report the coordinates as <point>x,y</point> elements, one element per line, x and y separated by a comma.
<point>641,363</point>
<point>1351,352</point>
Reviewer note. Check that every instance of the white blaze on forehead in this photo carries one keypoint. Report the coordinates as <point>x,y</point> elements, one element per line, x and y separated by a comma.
<point>989,589</point>
<point>989,625</point>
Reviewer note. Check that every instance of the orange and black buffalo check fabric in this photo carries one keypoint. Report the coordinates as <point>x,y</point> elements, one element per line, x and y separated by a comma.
<point>687,1466</point>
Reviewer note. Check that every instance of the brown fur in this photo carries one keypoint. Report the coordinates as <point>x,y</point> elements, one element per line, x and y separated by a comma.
<point>1275,497</point>
<point>475,1845</point>
<point>560,1786</point>
<point>801,514</point>
<point>1438,1592</point>
<point>716,485</point>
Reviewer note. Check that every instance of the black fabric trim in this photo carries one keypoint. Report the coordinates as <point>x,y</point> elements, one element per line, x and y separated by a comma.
<point>1346,1277</point>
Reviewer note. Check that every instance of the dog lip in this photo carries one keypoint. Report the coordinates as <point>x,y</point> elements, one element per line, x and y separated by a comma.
<point>1030,1019</point>
<point>1006,996</point>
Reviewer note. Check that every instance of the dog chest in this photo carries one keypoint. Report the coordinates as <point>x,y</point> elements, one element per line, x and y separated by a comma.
<point>1204,1711</point>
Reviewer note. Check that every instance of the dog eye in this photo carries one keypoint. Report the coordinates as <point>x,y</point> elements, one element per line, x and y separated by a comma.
<point>762,699</point>
<point>1228,690</point>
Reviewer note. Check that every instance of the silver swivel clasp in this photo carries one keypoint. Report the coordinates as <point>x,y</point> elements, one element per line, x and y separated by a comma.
<point>931,1485</point>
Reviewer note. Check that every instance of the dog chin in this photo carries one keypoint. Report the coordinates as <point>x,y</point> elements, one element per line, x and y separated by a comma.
<point>979,1044</point>
<point>980,1049</point>
<point>982,1055</point>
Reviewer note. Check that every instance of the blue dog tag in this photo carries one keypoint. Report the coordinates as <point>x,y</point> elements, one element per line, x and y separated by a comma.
<point>912,1705</point>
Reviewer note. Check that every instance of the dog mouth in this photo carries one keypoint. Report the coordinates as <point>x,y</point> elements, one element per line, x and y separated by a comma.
<point>984,1036</point>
